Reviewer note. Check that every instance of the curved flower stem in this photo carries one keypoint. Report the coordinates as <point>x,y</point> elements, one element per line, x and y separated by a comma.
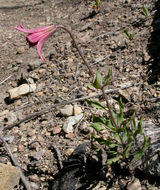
<point>91,72</point>
<point>78,49</point>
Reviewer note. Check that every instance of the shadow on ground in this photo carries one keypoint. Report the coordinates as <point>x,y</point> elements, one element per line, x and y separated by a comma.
<point>154,47</point>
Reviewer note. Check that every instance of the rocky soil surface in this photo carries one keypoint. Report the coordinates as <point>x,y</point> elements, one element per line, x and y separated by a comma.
<point>64,77</point>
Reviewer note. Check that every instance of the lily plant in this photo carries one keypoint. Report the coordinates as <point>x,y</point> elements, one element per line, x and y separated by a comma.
<point>116,123</point>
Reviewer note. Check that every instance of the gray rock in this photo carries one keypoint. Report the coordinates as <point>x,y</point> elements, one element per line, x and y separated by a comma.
<point>11,117</point>
<point>135,185</point>
<point>71,121</point>
<point>9,139</point>
<point>150,161</point>
<point>9,177</point>
<point>125,94</point>
<point>67,110</point>
<point>21,90</point>
<point>38,155</point>
<point>35,64</point>
<point>34,186</point>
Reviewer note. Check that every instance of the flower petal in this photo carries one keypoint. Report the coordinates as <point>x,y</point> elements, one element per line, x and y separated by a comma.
<point>38,36</point>
<point>39,48</point>
<point>39,29</point>
<point>40,44</point>
<point>34,37</point>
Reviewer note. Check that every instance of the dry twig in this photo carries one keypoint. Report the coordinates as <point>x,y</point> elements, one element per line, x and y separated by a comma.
<point>36,114</point>
<point>5,79</point>
<point>23,178</point>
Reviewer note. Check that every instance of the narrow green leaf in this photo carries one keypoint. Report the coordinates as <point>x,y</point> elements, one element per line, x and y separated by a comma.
<point>97,127</point>
<point>113,160</point>
<point>95,104</point>
<point>95,148</point>
<point>112,145</point>
<point>97,81</point>
<point>139,129</point>
<point>108,77</point>
<point>121,105</point>
<point>126,150</point>
<point>145,11</point>
<point>112,153</point>
<point>124,137</point>
<point>137,156</point>
<point>101,141</point>
<point>109,126</point>
<point>128,35</point>
<point>96,119</point>
<point>118,117</point>
<point>124,123</point>
<point>99,77</point>
<point>90,86</point>
<point>133,121</point>
<point>140,153</point>
<point>146,143</point>
<point>116,136</point>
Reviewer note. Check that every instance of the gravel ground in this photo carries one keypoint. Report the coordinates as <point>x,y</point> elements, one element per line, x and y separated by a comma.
<point>64,77</point>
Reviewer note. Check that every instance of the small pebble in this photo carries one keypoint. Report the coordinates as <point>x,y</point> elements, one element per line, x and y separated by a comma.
<point>56,130</point>
<point>20,50</point>
<point>77,110</point>
<point>69,135</point>
<point>67,110</point>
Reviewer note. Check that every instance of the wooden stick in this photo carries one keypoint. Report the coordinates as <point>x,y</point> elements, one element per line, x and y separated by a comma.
<point>5,79</point>
<point>23,178</point>
<point>36,114</point>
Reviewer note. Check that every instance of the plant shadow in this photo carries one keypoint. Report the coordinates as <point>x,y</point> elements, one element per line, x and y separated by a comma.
<point>154,47</point>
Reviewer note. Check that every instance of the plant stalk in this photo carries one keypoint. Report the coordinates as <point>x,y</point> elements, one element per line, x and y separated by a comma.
<point>91,72</point>
<point>78,49</point>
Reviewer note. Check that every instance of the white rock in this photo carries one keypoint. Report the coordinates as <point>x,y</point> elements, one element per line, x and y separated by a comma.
<point>21,90</point>
<point>69,151</point>
<point>9,177</point>
<point>67,110</point>
<point>71,121</point>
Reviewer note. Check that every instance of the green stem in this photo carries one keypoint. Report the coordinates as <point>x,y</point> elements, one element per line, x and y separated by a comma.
<point>109,109</point>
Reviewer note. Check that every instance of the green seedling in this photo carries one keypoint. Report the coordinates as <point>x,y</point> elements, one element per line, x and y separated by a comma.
<point>145,11</point>
<point>128,35</point>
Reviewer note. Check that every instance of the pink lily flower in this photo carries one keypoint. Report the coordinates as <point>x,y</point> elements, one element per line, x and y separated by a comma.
<point>38,36</point>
